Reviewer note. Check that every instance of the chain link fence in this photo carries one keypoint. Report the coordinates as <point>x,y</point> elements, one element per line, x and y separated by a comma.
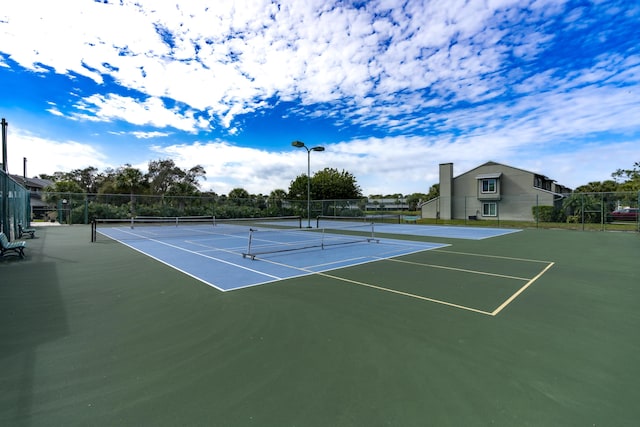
<point>579,211</point>
<point>15,206</point>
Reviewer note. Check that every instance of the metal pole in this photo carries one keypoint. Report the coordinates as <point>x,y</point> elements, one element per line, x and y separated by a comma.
<point>4,198</point>
<point>4,146</point>
<point>308,188</point>
<point>300,144</point>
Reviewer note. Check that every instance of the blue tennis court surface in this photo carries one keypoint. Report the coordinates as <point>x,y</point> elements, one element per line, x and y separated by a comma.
<point>446,231</point>
<point>214,255</point>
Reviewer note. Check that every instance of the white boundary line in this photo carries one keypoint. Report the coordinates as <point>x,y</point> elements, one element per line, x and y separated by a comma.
<point>463,270</point>
<point>406,294</point>
<point>521,290</point>
<point>458,306</point>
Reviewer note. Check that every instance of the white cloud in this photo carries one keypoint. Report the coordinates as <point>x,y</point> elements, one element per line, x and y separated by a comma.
<point>434,68</point>
<point>152,111</point>
<point>147,135</point>
<point>49,156</point>
<point>380,165</point>
<point>228,59</point>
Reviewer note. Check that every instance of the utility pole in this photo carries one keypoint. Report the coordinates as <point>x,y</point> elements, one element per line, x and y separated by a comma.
<point>4,180</point>
<point>4,146</point>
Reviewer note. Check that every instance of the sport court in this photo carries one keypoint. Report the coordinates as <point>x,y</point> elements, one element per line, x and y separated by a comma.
<point>101,334</point>
<point>234,254</point>
<point>218,253</point>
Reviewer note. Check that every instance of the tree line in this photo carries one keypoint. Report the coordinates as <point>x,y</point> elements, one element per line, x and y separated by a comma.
<point>168,190</point>
<point>164,177</point>
<point>593,202</point>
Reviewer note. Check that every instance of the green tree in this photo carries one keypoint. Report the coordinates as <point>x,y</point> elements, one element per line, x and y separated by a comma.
<point>61,190</point>
<point>631,178</point>
<point>165,177</point>
<point>607,186</point>
<point>130,180</point>
<point>413,200</point>
<point>86,178</point>
<point>327,184</point>
<point>277,195</point>
<point>298,188</point>
<point>239,196</point>
<point>434,191</point>
<point>583,205</point>
<point>162,175</point>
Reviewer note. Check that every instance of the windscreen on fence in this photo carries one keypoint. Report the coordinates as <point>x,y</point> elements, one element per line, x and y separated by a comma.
<point>15,206</point>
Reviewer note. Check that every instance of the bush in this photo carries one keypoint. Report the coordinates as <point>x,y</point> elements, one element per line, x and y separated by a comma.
<point>548,214</point>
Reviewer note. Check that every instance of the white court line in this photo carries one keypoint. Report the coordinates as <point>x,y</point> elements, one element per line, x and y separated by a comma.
<point>463,270</point>
<point>493,256</point>
<point>406,294</point>
<point>521,290</point>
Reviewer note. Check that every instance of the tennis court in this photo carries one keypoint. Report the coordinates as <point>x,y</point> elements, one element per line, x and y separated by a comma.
<point>230,255</point>
<point>535,327</point>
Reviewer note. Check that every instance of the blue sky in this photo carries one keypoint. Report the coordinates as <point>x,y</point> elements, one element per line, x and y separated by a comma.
<point>390,88</point>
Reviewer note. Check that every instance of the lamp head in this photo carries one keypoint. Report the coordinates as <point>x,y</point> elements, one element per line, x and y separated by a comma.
<point>298,144</point>
<point>317,149</point>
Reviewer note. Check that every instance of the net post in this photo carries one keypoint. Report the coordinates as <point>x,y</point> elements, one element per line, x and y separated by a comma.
<point>93,230</point>
<point>251,230</point>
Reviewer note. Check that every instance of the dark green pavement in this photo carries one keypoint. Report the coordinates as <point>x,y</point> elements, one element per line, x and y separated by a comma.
<point>100,335</point>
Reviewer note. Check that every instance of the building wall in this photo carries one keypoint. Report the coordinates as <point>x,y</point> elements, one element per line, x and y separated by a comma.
<point>514,199</point>
<point>445,206</point>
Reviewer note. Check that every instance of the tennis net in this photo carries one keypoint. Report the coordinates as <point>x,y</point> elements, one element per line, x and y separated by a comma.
<point>328,221</point>
<point>141,227</point>
<point>271,241</point>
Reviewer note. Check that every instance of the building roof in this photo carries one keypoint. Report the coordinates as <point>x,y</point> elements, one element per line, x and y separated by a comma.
<point>32,182</point>
<point>492,163</point>
<point>489,175</point>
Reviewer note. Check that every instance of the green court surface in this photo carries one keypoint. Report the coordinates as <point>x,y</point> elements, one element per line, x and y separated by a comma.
<point>536,328</point>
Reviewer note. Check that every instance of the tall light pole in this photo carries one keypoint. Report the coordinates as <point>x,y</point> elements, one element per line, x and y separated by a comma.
<point>300,144</point>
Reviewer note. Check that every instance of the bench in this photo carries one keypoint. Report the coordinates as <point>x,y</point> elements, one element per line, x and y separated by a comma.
<point>7,246</point>
<point>411,218</point>
<point>29,231</point>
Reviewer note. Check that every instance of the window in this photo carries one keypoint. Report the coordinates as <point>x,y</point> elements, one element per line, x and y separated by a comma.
<point>489,209</point>
<point>489,185</point>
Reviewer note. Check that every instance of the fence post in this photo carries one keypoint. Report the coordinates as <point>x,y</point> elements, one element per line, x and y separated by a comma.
<point>582,209</point>
<point>602,212</point>
<point>465,211</point>
<point>86,209</point>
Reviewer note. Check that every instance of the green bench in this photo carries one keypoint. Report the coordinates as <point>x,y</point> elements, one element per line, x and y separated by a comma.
<point>15,246</point>
<point>410,218</point>
<point>22,231</point>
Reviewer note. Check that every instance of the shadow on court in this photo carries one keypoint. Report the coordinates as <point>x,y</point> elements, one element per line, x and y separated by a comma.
<point>32,314</point>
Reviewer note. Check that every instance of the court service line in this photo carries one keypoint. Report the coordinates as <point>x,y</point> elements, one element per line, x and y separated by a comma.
<point>406,294</point>
<point>463,270</point>
<point>491,256</point>
<point>521,290</point>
